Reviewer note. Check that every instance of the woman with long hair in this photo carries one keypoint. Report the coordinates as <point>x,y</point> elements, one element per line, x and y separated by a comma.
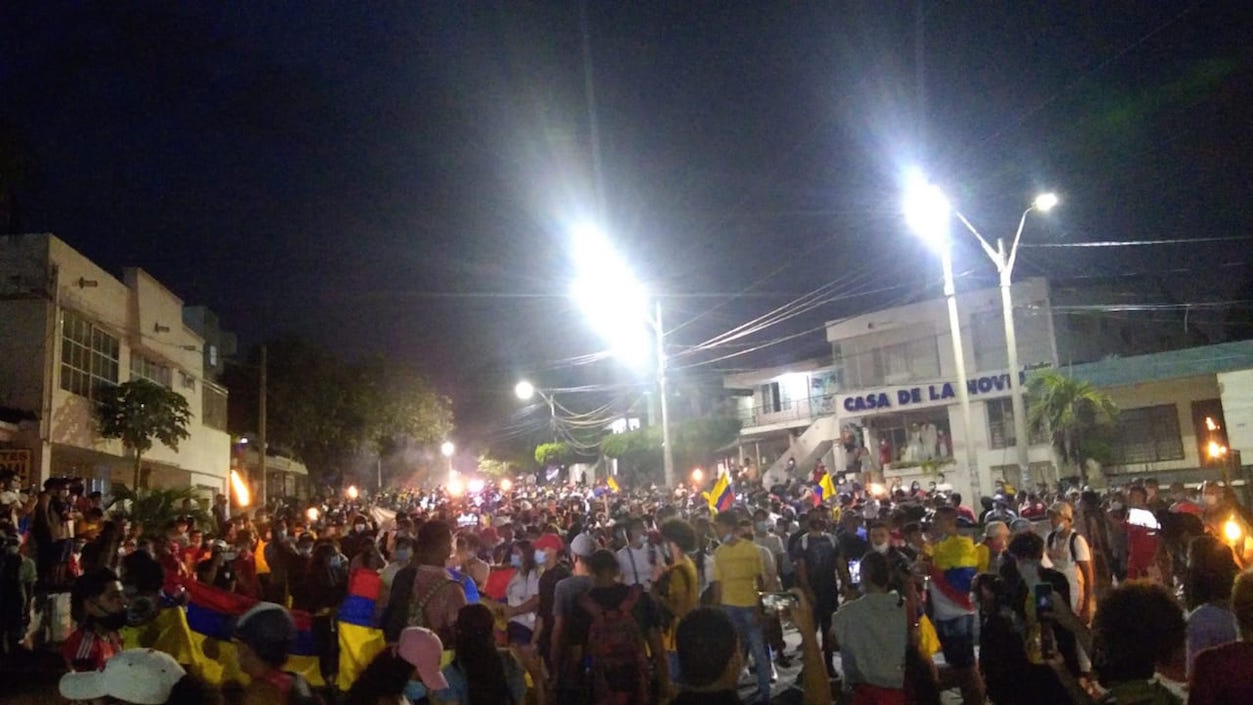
<point>480,673</point>
<point>522,593</point>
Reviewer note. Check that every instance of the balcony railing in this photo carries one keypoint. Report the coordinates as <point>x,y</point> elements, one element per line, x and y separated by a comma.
<point>792,410</point>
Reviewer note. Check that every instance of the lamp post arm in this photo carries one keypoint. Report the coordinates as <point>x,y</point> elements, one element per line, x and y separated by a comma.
<point>1013,249</point>
<point>991,251</point>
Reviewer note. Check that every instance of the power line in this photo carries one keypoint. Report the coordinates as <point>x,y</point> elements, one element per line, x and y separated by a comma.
<point>1137,243</point>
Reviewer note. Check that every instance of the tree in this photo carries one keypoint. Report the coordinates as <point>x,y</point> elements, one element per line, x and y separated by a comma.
<point>137,413</point>
<point>553,454</point>
<point>154,509</point>
<point>696,441</point>
<point>1074,412</point>
<point>328,412</point>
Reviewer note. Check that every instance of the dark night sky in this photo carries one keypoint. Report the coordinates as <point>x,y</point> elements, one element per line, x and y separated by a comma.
<point>401,177</point>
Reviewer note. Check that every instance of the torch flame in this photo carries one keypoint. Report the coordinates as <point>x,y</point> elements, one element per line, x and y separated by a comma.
<point>242,496</point>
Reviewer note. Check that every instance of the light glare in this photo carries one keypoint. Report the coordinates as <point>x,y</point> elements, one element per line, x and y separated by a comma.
<point>1232,530</point>
<point>506,485</point>
<point>524,390</point>
<point>926,210</point>
<point>352,492</point>
<point>455,486</point>
<point>447,449</point>
<point>1045,202</point>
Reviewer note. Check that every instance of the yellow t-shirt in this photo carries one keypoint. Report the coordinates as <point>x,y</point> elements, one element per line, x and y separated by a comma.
<point>737,567</point>
<point>682,597</point>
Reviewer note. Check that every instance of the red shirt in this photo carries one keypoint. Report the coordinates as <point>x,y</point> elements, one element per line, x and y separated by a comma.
<point>87,651</point>
<point>1222,674</point>
<point>246,582</point>
<point>966,512</point>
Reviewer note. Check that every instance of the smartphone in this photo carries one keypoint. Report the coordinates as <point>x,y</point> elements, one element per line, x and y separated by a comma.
<point>1043,599</point>
<point>854,572</point>
<point>778,601</point>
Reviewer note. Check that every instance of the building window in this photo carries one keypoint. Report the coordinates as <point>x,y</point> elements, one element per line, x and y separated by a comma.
<point>1001,426</point>
<point>89,356</point>
<point>142,367</point>
<point>213,356</point>
<point>771,399</point>
<point>188,381</point>
<point>909,361</point>
<point>213,406</point>
<point>1148,435</point>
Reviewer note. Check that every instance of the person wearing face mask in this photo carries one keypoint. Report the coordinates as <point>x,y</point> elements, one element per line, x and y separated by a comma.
<point>522,593</point>
<point>1070,555</point>
<point>98,607</point>
<point>737,576</point>
<point>677,588</point>
<point>635,560</point>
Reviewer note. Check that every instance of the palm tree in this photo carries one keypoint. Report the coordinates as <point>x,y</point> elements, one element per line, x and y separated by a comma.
<point>1070,410</point>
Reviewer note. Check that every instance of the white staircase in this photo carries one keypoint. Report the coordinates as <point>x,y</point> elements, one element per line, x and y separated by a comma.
<point>807,448</point>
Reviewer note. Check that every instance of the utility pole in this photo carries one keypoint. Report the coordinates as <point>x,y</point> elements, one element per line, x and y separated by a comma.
<point>261,440</point>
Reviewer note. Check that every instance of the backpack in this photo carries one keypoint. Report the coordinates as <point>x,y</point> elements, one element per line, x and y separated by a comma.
<point>417,609</point>
<point>1074,535</point>
<point>615,647</point>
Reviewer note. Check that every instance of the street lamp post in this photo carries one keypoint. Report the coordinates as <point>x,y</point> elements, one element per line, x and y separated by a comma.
<point>613,300</point>
<point>1004,262</point>
<point>447,449</point>
<point>524,390</point>
<point>927,211</point>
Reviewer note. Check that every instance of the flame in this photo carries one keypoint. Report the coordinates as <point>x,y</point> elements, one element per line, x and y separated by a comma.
<point>242,496</point>
<point>312,513</point>
<point>506,485</point>
<point>352,492</point>
<point>1232,530</point>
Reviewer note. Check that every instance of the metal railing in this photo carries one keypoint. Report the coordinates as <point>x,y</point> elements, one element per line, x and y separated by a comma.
<point>792,410</point>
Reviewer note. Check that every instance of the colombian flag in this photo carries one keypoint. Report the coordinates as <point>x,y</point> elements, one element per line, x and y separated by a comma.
<point>721,497</point>
<point>954,563</point>
<point>360,639</point>
<point>824,490</point>
<point>209,615</point>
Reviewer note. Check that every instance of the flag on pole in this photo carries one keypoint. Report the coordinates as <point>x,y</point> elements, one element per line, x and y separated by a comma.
<point>721,497</point>
<point>825,489</point>
<point>613,484</point>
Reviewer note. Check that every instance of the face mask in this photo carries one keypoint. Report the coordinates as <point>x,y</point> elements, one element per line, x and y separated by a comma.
<point>281,535</point>
<point>359,528</point>
<point>727,538</point>
<point>1211,500</point>
<point>881,547</point>
<point>229,555</point>
<point>541,556</point>
<point>515,560</point>
<point>638,542</point>
<point>306,552</point>
<point>403,554</point>
<point>112,621</point>
<point>337,561</point>
<point>762,526</point>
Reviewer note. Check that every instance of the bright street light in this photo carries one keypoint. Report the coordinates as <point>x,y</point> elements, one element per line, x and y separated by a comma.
<point>1004,261</point>
<point>616,306</point>
<point>524,390</point>
<point>928,213</point>
<point>447,449</point>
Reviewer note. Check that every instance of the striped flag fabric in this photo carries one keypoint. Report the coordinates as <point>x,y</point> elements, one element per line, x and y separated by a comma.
<point>360,639</point>
<point>824,490</point>
<point>722,496</point>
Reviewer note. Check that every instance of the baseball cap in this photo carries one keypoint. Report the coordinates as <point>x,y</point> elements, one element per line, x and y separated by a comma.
<point>138,676</point>
<point>550,542</point>
<point>422,648</point>
<point>583,546</point>
<point>267,628</point>
<point>1062,509</point>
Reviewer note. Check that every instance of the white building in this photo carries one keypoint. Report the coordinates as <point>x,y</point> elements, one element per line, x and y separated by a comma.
<point>66,328</point>
<point>890,387</point>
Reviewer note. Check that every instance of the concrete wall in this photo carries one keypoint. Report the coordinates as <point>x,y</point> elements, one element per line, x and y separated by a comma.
<point>1181,392</point>
<point>131,314</point>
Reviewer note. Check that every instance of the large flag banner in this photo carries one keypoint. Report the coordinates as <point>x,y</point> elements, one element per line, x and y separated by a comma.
<point>360,640</point>
<point>209,615</point>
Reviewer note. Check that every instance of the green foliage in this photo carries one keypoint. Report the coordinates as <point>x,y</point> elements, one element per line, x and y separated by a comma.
<point>493,467</point>
<point>639,452</point>
<point>155,508</point>
<point>1076,414</point>
<point>553,454</point>
<point>139,412</point>
<point>325,410</point>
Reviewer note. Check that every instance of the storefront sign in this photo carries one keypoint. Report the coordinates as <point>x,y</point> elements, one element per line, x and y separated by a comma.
<point>924,395</point>
<point>17,462</point>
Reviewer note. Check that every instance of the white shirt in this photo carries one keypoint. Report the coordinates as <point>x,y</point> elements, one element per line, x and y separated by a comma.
<point>635,566</point>
<point>1058,551</point>
<point>520,589</point>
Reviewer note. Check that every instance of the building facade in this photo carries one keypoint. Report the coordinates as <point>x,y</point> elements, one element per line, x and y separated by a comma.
<point>68,327</point>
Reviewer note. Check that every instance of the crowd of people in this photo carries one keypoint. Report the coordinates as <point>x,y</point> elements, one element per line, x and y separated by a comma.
<point>574,594</point>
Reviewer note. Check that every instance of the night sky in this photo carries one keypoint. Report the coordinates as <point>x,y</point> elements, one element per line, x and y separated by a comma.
<point>402,177</point>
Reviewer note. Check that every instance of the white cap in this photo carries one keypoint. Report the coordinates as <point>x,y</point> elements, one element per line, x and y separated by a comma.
<point>139,676</point>
<point>583,546</point>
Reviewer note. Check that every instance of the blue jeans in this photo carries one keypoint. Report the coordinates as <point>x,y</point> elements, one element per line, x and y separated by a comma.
<point>748,628</point>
